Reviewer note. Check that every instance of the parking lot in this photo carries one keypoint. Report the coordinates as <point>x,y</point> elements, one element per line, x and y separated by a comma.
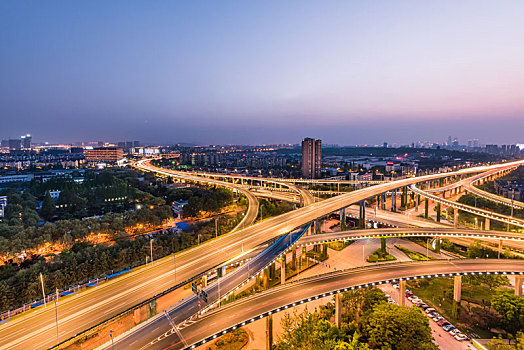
<point>443,339</point>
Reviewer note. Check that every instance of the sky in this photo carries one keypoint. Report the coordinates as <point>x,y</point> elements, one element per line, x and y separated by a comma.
<point>253,72</point>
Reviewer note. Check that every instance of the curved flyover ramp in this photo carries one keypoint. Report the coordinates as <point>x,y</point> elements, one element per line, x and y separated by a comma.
<point>159,333</point>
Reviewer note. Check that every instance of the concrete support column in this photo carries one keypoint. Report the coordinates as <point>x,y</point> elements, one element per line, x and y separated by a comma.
<point>343,219</point>
<point>204,281</point>
<point>518,285</point>
<point>283,269</point>
<point>294,258</point>
<point>500,248</point>
<point>383,201</point>
<point>487,225</point>
<point>457,292</point>
<point>265,278</point>
<point>338,309</point>
<point>455,217</point>
<point>269,332</point>
<point>394,200</point>
<point>402,293</point>
<point>362,219</point>
<point>438,212</point>
<point>426,208</point>
<point>438,243</point>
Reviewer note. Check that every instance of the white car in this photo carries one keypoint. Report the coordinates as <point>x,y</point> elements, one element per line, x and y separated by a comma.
<point>455,332</point>
<point>416,301</point>
<point>430,309</point>
<point>460,337</point>
<point>396,286</point>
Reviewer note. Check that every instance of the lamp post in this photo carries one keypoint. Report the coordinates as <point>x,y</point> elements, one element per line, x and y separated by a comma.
<point>43,292</point>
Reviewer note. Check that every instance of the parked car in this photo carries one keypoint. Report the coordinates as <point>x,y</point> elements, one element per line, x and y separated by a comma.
<point>409,294</point>
<point>461,337</point>
<point>391,301</point>
<point>448,327</point>
<point>429,309</point>
<point>433,314</point>
<point>454,331</point>
<point>425,307</point>
<point>416,301</point>
<point>443,322</point>
<point>396,286</point>
<point>437,318</point>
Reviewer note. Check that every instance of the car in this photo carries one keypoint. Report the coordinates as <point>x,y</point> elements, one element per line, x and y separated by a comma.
<point>396,286</point>
<point>391,301</point>
<point>387,295</point>
<point>432,314</point>
<point>425,307</point>
<point>448,327</point>
<point>437,318</point>
<point>415,301</point>
<point>461,337</point>
<point>429,309</point>
<point>454,331</point>
<point>443,322</point>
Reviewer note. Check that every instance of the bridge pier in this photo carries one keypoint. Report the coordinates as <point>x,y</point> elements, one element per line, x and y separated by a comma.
<point>283,269</point>
<point>269,332</point>
<point>343,219</point>
<point>457,293</point>
<point>204,281</point>
<point>500,248</point>
<point>394,201</point>
<point>438,212</point>
<point>487,224</point>
<point>518,285</point>
<point>383,201</point>
<point>294,258</point>
<point>438,243</point>
<point>455,217</point>
<point>402,293</point>
<point>362,217</point>
<point>338,309</point>
<point>426,208</point>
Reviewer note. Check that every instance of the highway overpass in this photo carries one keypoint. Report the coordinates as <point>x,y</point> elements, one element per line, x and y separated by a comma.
<point>159,334</point>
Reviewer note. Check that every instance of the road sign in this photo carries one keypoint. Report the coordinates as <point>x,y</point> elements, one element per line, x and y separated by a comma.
<point>194,287</point>
<point>203,295</point>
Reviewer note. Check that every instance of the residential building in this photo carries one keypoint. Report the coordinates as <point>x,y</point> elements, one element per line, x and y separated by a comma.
<point>104,154</point>
<point>311,158</point>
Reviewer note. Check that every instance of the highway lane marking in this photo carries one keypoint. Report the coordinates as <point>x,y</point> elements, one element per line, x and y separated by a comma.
<point>75,315</point>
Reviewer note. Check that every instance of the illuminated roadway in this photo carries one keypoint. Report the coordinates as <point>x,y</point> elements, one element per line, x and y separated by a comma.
<point>36,330</point>
<point>481,212</point>
<point>408,233</point>
<point>158,333</point>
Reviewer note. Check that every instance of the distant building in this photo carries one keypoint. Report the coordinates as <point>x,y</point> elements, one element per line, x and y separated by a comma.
<point>104,154</point>
<point>26,141</point>
<point>15,144</point>
<point>311,158</point>
<point>3,203</point>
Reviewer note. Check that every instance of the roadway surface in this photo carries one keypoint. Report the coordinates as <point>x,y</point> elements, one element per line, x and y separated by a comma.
<point>409,232</point>
<point>36,330</point>
<point>467,208</point>
<point>246,310</point>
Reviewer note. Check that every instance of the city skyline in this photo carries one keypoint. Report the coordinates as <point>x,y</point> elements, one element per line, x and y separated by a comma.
<point>348,73</point>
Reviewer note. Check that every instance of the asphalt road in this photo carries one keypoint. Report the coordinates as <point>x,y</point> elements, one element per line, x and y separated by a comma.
<point>36,330</point>
<point>277,299</point>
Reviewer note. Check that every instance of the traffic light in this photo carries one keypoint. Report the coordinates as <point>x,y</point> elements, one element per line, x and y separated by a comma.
<point>194,287</point>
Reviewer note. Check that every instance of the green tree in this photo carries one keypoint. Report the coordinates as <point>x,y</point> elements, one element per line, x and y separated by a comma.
<point>48,207</point>
<point>396,327</point>
<point>511,309</point>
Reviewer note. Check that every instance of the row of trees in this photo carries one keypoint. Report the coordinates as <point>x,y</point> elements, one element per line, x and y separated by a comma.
<point>83,262</point>
<point>368,322</point>
<point>14,239</point>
